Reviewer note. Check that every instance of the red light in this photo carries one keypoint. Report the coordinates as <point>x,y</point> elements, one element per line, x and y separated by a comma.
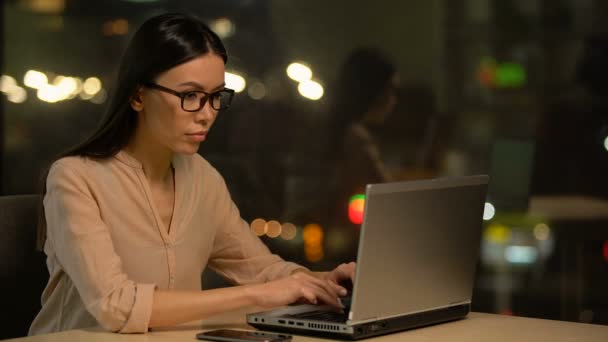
<point>356,206</point>
<point>606,250</point>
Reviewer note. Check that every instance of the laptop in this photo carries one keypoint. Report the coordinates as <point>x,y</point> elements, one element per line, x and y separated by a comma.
<point>416,261</point>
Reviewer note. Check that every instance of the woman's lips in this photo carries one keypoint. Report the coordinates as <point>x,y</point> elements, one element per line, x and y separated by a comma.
<point>198,136</point>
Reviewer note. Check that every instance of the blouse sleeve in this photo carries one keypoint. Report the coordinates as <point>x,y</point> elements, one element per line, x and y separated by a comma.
<point>85,251</point>
<point>237,253</point>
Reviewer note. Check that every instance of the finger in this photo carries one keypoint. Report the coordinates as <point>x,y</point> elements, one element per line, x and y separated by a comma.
<point>342,291</point>
<point>323,288</point>
<point>327,298</point>
<point>322,293</point>
<point>327,285</point>
<point>352,267</point>
<point>309,295</point>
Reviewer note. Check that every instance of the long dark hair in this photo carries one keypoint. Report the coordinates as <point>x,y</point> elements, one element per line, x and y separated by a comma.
<point>161,43</point>
<point>362,78</point>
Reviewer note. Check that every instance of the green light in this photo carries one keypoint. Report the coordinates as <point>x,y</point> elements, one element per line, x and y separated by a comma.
<point>510,75</point>
<point>356,197</point>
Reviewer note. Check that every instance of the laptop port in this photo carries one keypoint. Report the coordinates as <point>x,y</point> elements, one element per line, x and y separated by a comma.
<point>282,321</point>
<point>290,322</point>
<point>300,324</point>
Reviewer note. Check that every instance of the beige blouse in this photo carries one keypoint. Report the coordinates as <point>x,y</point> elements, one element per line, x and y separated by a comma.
<point>107,248</point>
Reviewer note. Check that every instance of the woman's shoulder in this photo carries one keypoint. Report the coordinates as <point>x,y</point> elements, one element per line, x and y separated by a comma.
<point>73,163</point>
<point>71,169</point>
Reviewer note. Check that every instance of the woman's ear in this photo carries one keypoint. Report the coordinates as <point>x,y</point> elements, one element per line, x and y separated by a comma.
<point>136,100</point>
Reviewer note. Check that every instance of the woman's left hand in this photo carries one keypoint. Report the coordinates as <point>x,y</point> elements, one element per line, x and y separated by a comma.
<point>342,273</point>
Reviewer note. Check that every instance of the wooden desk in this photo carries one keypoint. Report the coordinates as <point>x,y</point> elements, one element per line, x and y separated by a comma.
<point>477,327</point>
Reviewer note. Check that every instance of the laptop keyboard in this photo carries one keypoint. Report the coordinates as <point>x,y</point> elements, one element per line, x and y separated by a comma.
<point>327,316</point>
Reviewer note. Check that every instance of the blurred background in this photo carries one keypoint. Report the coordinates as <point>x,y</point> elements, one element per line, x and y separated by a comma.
<point>332,95</point>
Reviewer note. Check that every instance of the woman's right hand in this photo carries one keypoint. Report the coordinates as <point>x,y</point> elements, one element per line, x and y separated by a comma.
<point>296,287</point>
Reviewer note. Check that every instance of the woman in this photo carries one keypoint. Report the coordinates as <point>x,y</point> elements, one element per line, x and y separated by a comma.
<point>133,215</point>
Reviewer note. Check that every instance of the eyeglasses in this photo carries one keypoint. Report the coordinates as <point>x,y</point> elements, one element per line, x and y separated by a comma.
<point>193,101</point>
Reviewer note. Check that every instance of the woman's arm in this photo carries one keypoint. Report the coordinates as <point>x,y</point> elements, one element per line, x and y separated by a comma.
<point>175,307</point>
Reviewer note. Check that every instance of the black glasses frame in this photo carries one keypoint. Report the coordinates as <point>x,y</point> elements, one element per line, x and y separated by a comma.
<point>182,95</point>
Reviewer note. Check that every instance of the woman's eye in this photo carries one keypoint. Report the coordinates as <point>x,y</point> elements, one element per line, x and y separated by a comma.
<point>191,96</point>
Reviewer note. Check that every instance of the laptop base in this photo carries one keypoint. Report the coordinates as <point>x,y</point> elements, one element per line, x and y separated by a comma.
<point>376,328</point>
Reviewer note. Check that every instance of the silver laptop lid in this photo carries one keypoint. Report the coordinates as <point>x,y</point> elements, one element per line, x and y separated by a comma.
<point>418,247</point>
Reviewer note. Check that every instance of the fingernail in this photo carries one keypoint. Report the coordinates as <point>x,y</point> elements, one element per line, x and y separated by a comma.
<point>343,292</point>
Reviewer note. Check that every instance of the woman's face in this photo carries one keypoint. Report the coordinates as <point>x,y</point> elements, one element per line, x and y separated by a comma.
<point>161,116</point>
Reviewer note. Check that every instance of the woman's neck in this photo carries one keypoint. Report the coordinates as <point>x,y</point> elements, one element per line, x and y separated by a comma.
<point>154,157</point>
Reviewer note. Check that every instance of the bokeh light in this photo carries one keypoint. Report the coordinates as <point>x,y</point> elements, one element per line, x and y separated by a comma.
<point>235,82</point>
<point>274,229</point>
<point>16,95</point>
<point>312,235</point>
<point>68,86</point>
<point>257,91</point>
<point>35,79</point>
<point>288,231</point>
<point>605,250</point>
<point>521,254</point>
<point>7,83</point>
<point>541,231</point>
<point>223,27</point>
<point>299,72</point>
<point>91,86</point>
<point>311,90</point>
<point>488,211</point>
<point>259,226</point>
<point>100,97</point>
<point>49,93</point>
<point>497,233</point>
<point>356,207</point>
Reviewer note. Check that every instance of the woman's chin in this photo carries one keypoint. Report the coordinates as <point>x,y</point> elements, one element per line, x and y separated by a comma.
<point>187,149</point>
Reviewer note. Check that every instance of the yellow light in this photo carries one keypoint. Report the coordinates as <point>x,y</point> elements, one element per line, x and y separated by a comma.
<point>67,86</point>
<point>498,233</point>
<point>274,229</point>
<point>312,234</point>
<point>313,254</point>
<point>46,6</point>
<point>223,27</point>
<point>100,97</point>
<point>259,227</point>
<point>235,82</point>
<point>17,95</point>
<point>311,90</point>
<point>49,93</point>
<point>488,211</point>
<point>120,26</point>
<point>289,231</point>
<point>7,83</point>
<point>299,72</point>
<point>542,231</point>
<point>257,91</point>
<point>91,86</point>
<point>35,79</point>
<point>85,96</point>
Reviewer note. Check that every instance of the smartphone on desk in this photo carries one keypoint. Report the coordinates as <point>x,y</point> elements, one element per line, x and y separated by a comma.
<point>229,335</point>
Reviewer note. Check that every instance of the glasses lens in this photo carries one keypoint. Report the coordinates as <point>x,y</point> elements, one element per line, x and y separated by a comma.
<point>192,101</point>
<point>221,99</point>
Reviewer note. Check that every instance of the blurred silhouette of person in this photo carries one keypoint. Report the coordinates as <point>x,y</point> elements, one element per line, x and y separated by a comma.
<point>571,156</point>
<point>363,95</point>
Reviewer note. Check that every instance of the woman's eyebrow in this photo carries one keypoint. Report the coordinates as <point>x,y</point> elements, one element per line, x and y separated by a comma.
<point>198,85</point>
